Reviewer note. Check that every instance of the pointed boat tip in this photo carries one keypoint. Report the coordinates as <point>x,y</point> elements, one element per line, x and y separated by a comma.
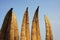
<point>11,9</point>
<point>27,8</point>
<point>26,11</point>
<point>36,12</point>
<point>37,8</point>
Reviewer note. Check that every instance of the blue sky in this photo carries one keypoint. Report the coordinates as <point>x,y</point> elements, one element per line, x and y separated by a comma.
<point>51,8</point>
